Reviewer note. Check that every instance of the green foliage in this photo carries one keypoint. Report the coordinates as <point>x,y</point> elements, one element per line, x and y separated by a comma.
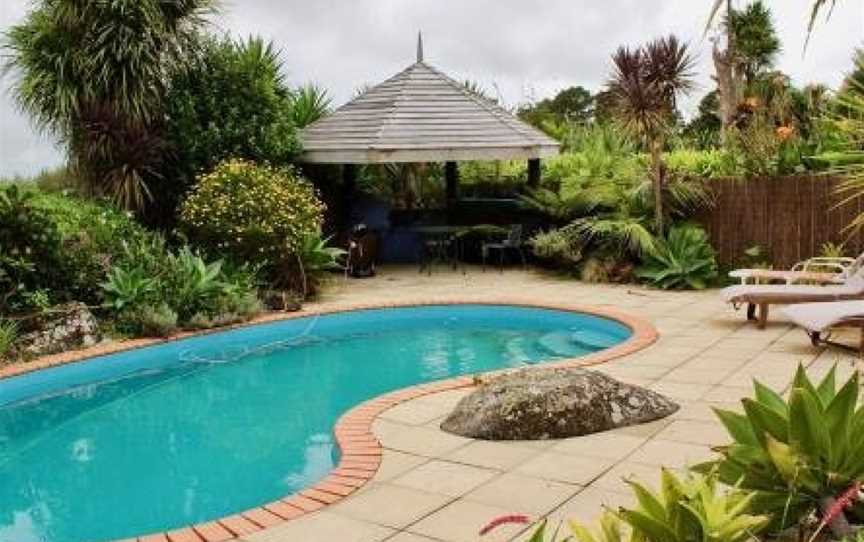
<point>31,250</point>
<point>795,452</point>
<point>95,75</point>
<point>701,164</point>
<point>150,321</point>
<point>315,258</point>
<point>8,334</point>
<point>572,105</point>
<point>684,260</point>
<point>644,90</point>
<point>492,179</point>
<point>756,41</point>
<point>232,104</point>
<point>252,213</point>
<point>308,104</point>
<point>563,247</point>
<point>128,288</point>
<point>94,237</point>
<point>154,291</point>
<point>695,508</point>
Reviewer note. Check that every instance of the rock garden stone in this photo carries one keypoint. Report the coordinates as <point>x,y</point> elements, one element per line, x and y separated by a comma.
<point>64,328</point>
<point>540,404</point>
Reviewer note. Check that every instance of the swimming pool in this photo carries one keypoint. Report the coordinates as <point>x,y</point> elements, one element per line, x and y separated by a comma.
<point>184,432</point>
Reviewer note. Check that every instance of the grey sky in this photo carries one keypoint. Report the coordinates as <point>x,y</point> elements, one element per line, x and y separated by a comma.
<point>524,49</point>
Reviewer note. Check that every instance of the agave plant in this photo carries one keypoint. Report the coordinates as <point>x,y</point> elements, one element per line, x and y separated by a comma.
<point>695,508</point>
<point>127,288</point>
<point>796,454</point>
<point>684,260</point>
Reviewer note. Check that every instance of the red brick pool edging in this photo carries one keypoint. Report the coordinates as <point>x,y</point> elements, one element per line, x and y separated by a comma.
<point>361,452</point>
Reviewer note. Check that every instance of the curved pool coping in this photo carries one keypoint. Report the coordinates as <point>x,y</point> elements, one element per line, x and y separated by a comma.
<point>361,452</point>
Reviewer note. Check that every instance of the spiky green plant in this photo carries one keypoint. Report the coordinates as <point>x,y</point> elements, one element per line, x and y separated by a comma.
<point>694,508</point>
<point>796,454</point>
<point>308,104</point>
<point>683,260</point>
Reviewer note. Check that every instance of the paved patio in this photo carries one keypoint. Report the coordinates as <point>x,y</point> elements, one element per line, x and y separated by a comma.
<point>433,486</point>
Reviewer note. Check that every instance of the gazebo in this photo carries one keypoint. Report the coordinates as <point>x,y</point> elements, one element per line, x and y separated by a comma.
<point>422,115</point>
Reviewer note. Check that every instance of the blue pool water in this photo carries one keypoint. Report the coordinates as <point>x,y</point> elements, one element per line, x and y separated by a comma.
<point>184,432</point>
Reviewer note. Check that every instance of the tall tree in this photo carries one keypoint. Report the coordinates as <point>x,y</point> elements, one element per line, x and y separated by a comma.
<point>94,75</point>
<point>644,90</point>
<point>757,44</point>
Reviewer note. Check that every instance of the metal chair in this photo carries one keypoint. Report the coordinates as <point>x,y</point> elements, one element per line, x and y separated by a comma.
<point>513,242</point>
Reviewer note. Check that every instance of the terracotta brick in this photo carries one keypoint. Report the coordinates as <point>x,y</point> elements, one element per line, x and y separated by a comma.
<point>304,503</point>
<point>321,496</point>
<point>184,535</point>
<point>262,517</point>
<point>345,480</point>
<point>284,510</point>
<point>336,489</point>
<point>213,532</point>
<point>159,537</point>
<point>239,525</point>
<point>363,474</point>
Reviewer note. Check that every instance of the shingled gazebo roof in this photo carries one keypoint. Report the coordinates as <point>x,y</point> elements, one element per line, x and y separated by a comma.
<point>422,115</point>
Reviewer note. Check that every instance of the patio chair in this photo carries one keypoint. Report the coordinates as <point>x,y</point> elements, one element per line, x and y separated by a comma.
<point>513,242</point>
<point>763,296</point>
<point>815,270</point>
<point>818,319</point>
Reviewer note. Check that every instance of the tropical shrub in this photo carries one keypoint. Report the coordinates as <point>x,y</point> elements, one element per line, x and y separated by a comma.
<point>308,104</point>
<point>94,236</point>
<point>150,321</point>
<point>232,103</point>
<point>562,247</point>
<point>252,213</point>
<point>796,454</point>
<point>8,334</point>
<point>684,260</point>
<point>315,258</point>
<point>94,75</point>
<point>705,164</point>
<point>31,255</point>
<point>694,508</point>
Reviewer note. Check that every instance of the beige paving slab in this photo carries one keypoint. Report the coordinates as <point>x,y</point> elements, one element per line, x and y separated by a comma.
<point>446,478</point>
<point>425,441</point>
<point>461,521</point>
<point>588,505</point>
<point>668,453</point>
<point>573,469</point>
<point>494,455</point>
<point>391,506</point>
<point>323,527</point>
<point>412,413</point>
<point>395,463</point>
<point>613,445</point>
<point>706,433</point>
<point>523,494</point>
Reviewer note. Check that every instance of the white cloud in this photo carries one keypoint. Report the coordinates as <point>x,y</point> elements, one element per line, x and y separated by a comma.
<point>521,48</point>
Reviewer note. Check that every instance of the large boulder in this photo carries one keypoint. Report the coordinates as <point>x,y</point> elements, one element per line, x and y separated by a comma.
<point>64,328</point>
<point>539,404</point>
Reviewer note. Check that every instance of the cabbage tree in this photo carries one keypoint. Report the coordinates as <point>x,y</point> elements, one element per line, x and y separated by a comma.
<point>94,75</point>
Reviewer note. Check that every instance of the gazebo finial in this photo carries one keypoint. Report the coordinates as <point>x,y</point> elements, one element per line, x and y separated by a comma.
<point>420,46</point>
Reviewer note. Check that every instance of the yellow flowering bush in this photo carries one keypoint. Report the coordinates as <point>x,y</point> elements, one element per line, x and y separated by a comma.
<point>252,212</point>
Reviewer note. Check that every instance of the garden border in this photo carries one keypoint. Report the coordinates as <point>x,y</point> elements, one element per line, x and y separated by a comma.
<point>361,450</point>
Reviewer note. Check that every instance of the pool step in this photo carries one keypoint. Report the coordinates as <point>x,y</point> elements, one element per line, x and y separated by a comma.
<point>569,343</point>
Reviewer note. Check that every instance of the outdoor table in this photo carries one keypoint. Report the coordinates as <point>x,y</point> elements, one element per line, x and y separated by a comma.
<point>440,239</point>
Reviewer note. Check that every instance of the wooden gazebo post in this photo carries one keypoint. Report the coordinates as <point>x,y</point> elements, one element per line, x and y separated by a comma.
<point>451,176</point>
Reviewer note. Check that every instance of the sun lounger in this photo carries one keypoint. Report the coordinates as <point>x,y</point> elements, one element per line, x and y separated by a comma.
<point>763,296</point>
<point>819,318</point>
<point>814,270</point>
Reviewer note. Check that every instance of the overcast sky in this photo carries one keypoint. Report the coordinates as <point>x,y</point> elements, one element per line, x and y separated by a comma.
<point>524,49</point>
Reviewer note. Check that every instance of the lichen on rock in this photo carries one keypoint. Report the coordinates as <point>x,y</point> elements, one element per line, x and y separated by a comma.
<point>540,404</point>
